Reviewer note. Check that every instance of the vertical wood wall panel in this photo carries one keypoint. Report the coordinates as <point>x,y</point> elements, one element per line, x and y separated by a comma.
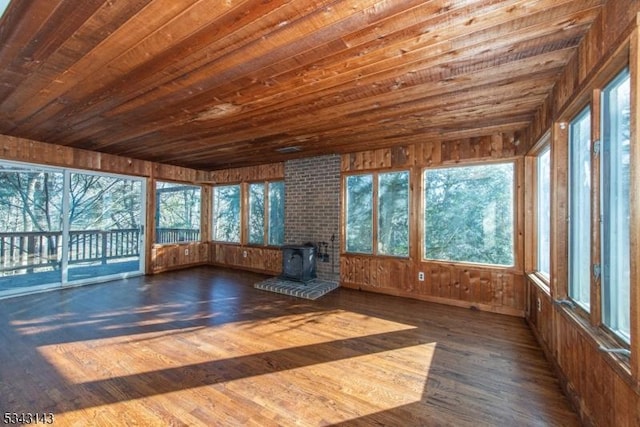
<point>603,387</point>
<point>483,287</point>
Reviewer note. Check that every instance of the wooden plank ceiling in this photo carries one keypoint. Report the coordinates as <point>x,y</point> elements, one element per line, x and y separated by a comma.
<point>211,84</point>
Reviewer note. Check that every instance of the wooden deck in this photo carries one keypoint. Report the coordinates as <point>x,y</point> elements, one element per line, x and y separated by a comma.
<point>203,347</point>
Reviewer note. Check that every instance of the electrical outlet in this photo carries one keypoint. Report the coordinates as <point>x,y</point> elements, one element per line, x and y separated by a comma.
<point>421,276</point>
<point>539,304</point>
<point>186,252</point>
<point>244,254</point>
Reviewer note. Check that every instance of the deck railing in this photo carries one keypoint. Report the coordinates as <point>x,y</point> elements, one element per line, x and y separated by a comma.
<point>35,250</point>
<point>175,235</point>
<point>30,251</point>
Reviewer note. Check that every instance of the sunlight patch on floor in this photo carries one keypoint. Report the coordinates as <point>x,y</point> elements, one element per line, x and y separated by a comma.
<point>127,354</point>
<point>371,383</point>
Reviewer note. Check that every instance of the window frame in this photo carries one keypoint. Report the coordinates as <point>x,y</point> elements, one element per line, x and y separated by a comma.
<point>266,186</point>
<point>245,212</point>
<point>592,322</point>
<point>516,204</point>
<point>619,76</point>
<point>375,198</point>
<point>532,206</point>
<point>545,274</point>
<point>576,118</point>
<point>240,214</point>
<point>157,207</point>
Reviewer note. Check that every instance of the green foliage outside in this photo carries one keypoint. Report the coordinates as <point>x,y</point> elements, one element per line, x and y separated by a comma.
<point>360,213</point>
<point>393,214</point>
<point>469,214</point>
<point>31,200</point>
<point>226,213</point>
<point>177,211</point>
<point>256,214</point>
<point>276,213</point>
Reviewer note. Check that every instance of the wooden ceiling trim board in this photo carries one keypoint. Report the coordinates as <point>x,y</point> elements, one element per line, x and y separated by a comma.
<point>182,83</point>
<point>27,102</point>
<point>500,54</point>
<point>294,121</point>
<point>349,78</point>
<point>91,105</point>
<point>223,162</point>
<point>513,107</point>
<point>21,19</point>
<point>276,47</point>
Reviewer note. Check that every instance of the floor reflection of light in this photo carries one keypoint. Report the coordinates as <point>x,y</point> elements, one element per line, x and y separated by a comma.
<point>170,348</point>
<point>327,393</point>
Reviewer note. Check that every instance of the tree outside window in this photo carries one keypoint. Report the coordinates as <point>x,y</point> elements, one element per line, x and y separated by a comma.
<point>615,200</point>
<point>469,214</point>
<point>177,212</point>
<point>226,213</point>
<point>386,195</point>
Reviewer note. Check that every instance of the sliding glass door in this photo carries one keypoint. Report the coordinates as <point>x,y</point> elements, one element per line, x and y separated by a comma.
<point>62,227</point>
<point>105,226</point>
<point>30,228</point>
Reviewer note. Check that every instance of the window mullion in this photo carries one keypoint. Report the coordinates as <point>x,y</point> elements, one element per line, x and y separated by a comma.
<point>374,205</point>
<point>265,223</point>
<point>595,315</point>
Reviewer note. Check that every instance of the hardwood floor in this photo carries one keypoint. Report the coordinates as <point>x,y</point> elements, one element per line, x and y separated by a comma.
<point>203,347</point>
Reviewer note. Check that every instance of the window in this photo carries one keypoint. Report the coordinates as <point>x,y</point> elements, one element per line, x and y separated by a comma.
<point>393,214</point>
<point>469,214</point>
<point>261,220</point>
<point>386,195</point>
<point>276,213</point>
<point>177,212</point>
<point>226,213</point>
<point>256,214</point>
<point>615,179</point>
<point>580,208</point>
<point>543,177</point>
<point>266,209</point>
<point>359,204</point>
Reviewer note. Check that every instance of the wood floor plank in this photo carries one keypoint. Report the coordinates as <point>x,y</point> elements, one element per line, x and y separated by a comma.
<point>203,347</point>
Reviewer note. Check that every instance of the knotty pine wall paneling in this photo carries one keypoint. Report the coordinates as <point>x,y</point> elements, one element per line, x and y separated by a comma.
<point>489,288</point>
<point>603,387</point>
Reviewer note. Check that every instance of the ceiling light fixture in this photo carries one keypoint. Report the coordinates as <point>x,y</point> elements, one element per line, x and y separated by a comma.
<point>286,150</point>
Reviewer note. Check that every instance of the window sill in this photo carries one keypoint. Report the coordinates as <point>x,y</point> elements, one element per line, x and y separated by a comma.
<point>474,266</point>
<point>602,339</point>
<point>365,255</point>
<point>540,281</point>
<point>192,242</point>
